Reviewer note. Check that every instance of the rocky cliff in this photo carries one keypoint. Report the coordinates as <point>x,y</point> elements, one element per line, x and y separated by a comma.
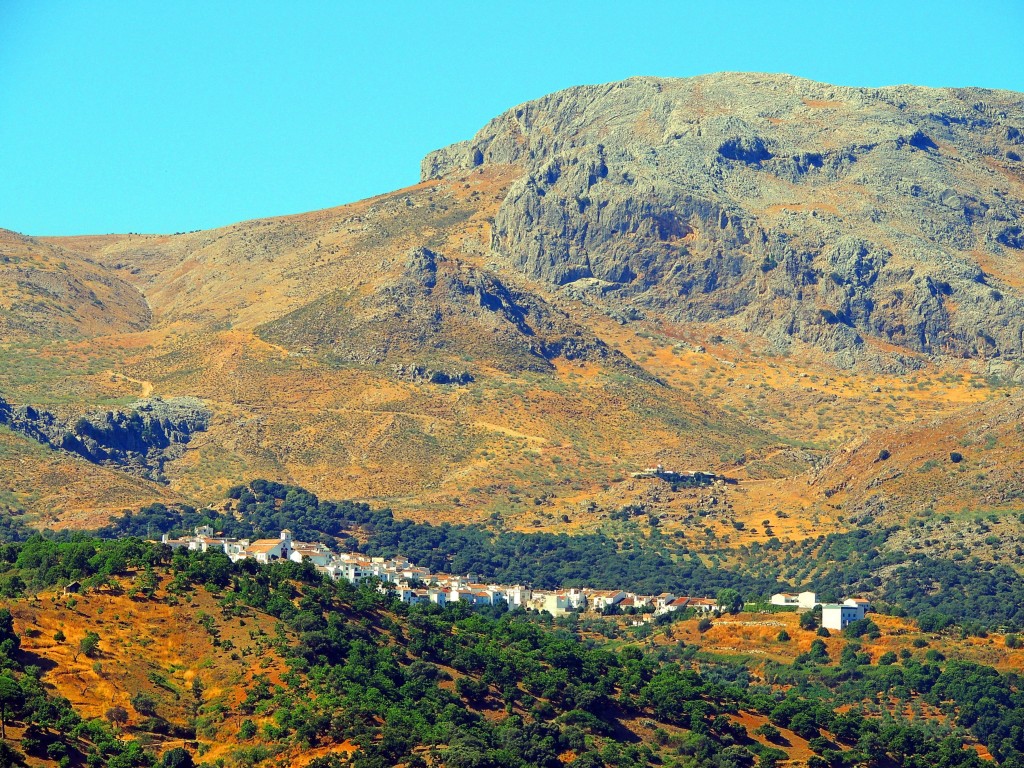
<point>877,224</point>
<point>139,440</point>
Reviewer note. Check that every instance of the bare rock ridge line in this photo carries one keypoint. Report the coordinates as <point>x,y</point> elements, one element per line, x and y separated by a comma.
<point>848,218</point>
<point>139,440</point>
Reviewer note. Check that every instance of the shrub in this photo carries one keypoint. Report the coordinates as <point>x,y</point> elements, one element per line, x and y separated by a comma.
<point>90,644</point>
<point>956,457</point>
<point>783,636</point>
<point>247,730</point>
<point>818,744</point>
<point>144,704</point>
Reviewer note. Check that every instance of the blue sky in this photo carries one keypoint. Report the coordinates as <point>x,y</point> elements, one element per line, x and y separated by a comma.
<point>173,116</point>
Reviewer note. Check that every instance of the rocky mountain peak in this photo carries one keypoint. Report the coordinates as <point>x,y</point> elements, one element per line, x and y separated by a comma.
<point>850,218</point>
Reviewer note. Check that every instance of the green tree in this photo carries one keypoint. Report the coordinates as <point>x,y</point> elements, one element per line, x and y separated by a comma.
<point>144,704</point>
<point>247,730</point>
<point>177,758</point>
<point>90,644</point>
<point>117,716</point>
<point>730,600</point>
<point>11,701</point>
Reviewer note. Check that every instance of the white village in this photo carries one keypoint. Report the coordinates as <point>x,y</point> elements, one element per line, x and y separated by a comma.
<point>414,584</point>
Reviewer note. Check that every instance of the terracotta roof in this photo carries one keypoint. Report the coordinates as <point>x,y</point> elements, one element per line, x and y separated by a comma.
<point>263,545</point>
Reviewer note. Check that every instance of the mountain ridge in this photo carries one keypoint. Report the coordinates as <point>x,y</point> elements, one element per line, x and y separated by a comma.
<point>755,275</point>
<point>630,181</point>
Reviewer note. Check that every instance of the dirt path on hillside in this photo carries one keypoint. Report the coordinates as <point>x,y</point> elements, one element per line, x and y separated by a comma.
<point>147,386</point>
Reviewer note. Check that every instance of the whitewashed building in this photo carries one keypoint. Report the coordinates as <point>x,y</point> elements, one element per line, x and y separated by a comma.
<point>804,600</point>
<point>839,616</point>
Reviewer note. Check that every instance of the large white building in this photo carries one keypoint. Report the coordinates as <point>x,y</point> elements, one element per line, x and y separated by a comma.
<point>839,616</point>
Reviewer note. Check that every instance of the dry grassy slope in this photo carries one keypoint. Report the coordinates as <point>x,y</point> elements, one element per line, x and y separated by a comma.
<point>48,292</point>
<point>60,489</point>
<point>531,445</point>
<point>152,647</point>
<point>988,436</point>
<point>560,431</point>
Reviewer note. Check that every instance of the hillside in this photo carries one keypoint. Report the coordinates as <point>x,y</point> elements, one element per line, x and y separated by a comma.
<point>845,217</point>
<point>755,275</point>
<point>242,666</point>
<point>49,293</point>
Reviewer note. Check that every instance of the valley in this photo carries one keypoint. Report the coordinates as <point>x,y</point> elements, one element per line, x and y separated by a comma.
<point>809,292</point>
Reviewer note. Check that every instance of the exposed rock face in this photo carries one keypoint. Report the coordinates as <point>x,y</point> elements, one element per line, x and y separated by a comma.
<point>139,441</point>
<point>439,313</point>
<point>834,215</point>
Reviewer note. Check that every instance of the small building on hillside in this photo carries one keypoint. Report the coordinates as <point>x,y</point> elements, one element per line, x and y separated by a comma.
<point>839,616</point>
<point>695,479</point>
<point>602,599</point>
<point>315,553</point>
<point>702,604</point>
<point>804,601</point>
<point>266,551</point>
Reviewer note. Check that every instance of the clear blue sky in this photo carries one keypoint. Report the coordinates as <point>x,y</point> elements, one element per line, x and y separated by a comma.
<point>178,115</point>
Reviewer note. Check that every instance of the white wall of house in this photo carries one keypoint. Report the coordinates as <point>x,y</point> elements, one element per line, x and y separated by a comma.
<point>807,600</point>
<point>835,616</point>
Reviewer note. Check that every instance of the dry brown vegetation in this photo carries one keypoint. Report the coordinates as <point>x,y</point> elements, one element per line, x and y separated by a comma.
<point>560,439</point>
<point>150,646</point>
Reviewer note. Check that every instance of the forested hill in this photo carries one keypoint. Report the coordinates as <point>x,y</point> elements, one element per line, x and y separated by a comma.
<point>370,682</point>
<point>973,594</point>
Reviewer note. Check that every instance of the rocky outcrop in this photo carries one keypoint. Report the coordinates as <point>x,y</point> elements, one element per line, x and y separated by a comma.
<point>437,314</point>
<point>422,374</point>
<point>838,216</point>
<point>140,440</point>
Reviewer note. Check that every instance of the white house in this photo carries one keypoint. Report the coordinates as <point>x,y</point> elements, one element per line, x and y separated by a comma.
<point>660,601</point>
<point>518,596</point>
<point>673,605</point>
<point>471,595</point>
<point>804,601</point>
<point>702,604</point>
<point>836,616</point>
<point>599,600</point>
<point>807,600</point>
<point>559,603</point>
<point>315,553</point>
